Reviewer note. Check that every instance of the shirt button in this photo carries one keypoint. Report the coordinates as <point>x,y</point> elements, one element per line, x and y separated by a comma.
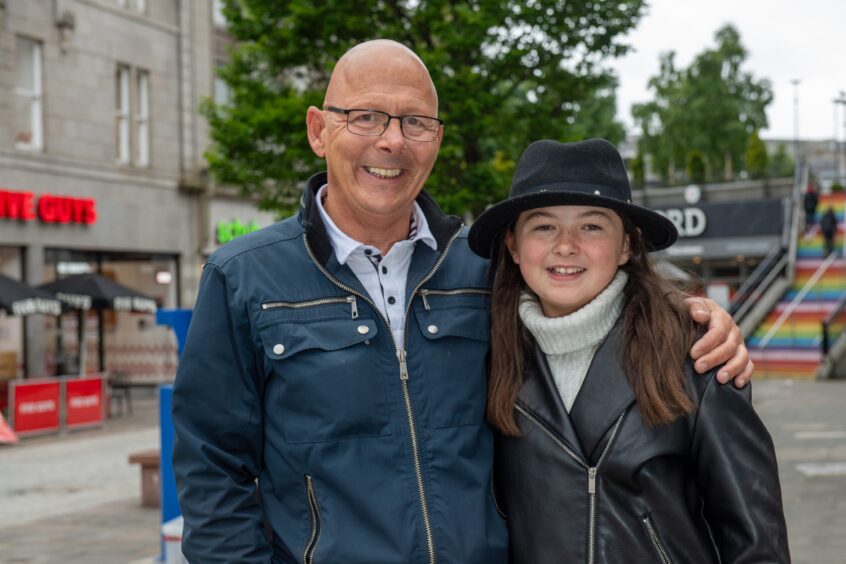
<point>433,329</point>
<point>368,252</point>
<point>384,270</point>
<point>363,330</point>
<point>392,300</point>
<point>278,348</point>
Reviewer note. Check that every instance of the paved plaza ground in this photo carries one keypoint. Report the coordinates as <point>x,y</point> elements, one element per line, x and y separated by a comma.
<point>74,499</point>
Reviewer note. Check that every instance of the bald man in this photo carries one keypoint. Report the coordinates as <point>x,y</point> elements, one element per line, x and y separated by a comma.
<point>329,406</point>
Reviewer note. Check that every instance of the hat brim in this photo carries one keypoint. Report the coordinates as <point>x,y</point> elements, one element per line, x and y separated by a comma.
<point>658,231</point>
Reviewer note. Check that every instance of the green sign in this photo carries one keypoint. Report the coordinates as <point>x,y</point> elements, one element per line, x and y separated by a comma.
<point>228,230</point>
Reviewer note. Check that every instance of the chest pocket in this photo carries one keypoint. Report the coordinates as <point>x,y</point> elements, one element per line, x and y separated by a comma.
<point>455,326</point>
<point>324,381</point>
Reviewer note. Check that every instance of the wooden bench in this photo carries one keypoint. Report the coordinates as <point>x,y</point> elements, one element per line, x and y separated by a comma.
<point>150,481</point>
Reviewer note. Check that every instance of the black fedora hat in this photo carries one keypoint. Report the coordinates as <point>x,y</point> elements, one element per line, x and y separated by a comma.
<point>587,173</point>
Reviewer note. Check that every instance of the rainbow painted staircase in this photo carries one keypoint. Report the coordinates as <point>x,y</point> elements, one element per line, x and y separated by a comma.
<point>793,350</point>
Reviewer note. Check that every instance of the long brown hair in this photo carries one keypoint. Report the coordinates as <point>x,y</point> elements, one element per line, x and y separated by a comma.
<point>656,334</point>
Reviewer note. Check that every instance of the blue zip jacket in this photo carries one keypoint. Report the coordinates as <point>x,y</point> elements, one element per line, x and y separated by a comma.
<point>291,381</point>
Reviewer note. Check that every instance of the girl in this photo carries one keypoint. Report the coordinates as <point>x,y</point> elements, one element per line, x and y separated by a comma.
<point>610,449</point>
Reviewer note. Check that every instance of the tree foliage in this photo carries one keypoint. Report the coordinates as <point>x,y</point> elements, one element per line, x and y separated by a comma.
<point>507,73</point>
<point>757,159</point>
<point>781,163</point>
<point>712,106</point>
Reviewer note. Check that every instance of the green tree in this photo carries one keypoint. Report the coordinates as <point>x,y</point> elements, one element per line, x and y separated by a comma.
<point>695,166</point>
<point>712,106</point>
<point>507,73</point>
<point>782,164</point>
<point>757,159</point>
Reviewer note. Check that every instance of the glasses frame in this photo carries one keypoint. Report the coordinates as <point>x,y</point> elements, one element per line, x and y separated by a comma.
<point>346,113</point>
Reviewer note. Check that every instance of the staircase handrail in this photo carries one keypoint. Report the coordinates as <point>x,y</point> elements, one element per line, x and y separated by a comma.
<point>758,282</point>
<point>839,307</point>
<point>788,311</point>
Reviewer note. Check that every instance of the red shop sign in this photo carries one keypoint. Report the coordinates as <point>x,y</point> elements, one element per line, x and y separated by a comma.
<point>34,405</point>
<point>83,401</point>
<point>26,206</point>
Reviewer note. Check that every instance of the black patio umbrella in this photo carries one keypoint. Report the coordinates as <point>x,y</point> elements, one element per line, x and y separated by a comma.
<point>92,291</point>
<point>16,298</point>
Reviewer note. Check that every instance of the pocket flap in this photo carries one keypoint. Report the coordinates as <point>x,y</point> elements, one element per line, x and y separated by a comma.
<point>288,338</point>
<point>470,323</point>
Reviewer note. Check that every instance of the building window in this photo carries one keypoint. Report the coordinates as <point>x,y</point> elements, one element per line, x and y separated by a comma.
<point>122,114</point>
<point>217,14</point>
<point>142,120</point>
<point>222,92</point>
<point>28,96</point>
<point>137,5</point>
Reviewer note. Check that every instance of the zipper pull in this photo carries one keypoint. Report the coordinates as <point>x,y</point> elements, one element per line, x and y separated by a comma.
<point>403,365</point>
<point>423,294</point>
<point>354,305</point>
<point>592,480</point>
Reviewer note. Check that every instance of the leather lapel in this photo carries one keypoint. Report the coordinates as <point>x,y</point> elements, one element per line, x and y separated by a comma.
<point>540,395</point>
<point>604,394</point>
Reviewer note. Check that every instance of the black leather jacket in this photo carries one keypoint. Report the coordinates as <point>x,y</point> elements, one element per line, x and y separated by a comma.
<point>598,486</point>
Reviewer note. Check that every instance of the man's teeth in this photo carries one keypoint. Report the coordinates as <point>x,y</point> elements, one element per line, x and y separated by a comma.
<point>384,172</point>
<point>566,269</point>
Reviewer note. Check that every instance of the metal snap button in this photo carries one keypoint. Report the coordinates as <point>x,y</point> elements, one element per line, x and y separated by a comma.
<point>278,348</point>
<point>363,329</point>
<point>433,329</point>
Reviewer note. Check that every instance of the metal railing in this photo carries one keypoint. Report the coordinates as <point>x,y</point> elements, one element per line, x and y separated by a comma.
<point>833,326</point>
<point>758,282</point>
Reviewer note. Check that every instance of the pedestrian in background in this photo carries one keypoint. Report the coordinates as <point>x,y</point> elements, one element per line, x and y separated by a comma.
<point>828,226</point>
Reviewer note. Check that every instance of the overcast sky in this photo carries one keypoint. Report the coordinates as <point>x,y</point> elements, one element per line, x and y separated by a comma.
<point>785,40</point>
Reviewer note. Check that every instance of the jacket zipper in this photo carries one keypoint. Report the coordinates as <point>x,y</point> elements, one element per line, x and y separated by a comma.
<point>313,303</point>
<point>591,472</point>
<point>403,373</point>
<point>311,545</point>
<point>663,555</point>
<point>425,293</point>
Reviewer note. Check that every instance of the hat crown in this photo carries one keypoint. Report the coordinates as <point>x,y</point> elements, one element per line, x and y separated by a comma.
<point>591,167</point>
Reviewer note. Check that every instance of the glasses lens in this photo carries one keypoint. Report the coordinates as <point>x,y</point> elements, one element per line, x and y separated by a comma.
<point>420,128</point>
<point>364,122</point>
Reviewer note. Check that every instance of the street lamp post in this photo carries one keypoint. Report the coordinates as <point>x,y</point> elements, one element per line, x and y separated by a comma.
<point>842,160</point>
<point>796,152</point>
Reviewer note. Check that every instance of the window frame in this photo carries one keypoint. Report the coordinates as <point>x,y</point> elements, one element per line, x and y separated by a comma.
<point>122,115</point>
<point>35,95</point>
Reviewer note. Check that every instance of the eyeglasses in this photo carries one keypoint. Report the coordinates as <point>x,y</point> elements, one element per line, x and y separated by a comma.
<point>373,123</point>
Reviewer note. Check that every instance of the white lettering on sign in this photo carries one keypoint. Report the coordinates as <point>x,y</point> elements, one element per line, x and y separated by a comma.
<point>31,407</point>
<point>690,222</point>
<point>80,402</point>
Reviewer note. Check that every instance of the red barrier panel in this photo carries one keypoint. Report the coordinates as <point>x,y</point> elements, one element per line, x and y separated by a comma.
<point>84,403</point>
<point>34,405</point>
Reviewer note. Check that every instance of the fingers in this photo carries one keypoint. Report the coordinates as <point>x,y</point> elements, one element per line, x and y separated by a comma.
<point>699,310</point>
<point>720,347</point>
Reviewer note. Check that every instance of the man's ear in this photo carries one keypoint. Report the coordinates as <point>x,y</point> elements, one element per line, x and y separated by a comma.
<point>315,126</point>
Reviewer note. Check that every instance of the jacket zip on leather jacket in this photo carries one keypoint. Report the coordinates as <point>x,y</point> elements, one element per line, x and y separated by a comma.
<point>598,486</point>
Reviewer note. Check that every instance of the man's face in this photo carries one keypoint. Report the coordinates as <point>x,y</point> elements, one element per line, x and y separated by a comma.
<point>376,176</point>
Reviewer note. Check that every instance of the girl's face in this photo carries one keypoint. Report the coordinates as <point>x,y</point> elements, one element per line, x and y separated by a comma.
<point>568,254</point>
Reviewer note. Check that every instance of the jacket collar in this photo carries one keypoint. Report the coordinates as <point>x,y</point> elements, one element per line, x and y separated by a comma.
<point>604,394</point>
<point>441,225</point>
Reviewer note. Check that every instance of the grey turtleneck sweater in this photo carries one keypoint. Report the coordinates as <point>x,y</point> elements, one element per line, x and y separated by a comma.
<point>570,342</point>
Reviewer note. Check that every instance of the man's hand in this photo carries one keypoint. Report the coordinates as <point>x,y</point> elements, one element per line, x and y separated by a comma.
<point>721,343</point>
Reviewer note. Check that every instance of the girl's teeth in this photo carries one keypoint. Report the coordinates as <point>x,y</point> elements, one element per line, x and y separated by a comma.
<point>562,270</point>
<point>384,172</point>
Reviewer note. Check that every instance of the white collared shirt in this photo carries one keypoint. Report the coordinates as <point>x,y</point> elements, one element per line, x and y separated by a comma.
<point>385,281</point>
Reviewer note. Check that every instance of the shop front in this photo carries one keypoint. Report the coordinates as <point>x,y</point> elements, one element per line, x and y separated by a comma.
<point>138,232</point>
<point>721,243</point>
